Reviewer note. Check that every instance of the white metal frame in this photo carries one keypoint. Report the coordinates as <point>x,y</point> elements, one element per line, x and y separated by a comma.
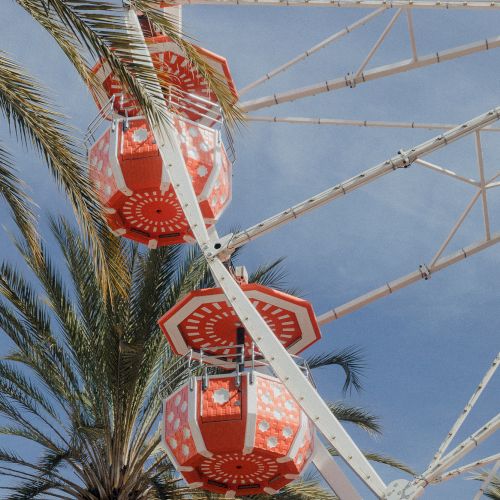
<point>438,469</point>
<point>218,249</point>
<point>363,4</point>
<point>290,374</point>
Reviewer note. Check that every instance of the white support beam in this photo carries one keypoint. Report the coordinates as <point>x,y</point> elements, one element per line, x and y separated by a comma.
<point>403,159</point>
<point>302,120</point>
<point>372,74</point>
<point>377,44</point>
<point>456,454</point>
<point>490,184</point>
<point>480,164</point>
<point>468,407</point>
<point>392,286</point>
<point>454,230</point>
<point>363,4</point>
<point>294,380</point>
<point>268,344</point>
<point>446,171</point>
<point>467,468</point>
<point>333,474</point>
<point>487,481</point>
<point>410,490</point>
<point>327,41</point>
<point>411,34</point>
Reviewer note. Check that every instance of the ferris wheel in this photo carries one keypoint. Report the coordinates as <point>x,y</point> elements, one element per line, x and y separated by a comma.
<point>170,183</point>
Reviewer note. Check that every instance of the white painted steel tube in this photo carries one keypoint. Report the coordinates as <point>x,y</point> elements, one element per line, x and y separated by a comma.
<point>480,164</point>
<point>467,468</point>
<point>327,41</point>
<point>411,34</point>
<point>378,43</point>
<point>445,171</point>
<point>269,345</point>
<point>487,481</point>
<point>301,120</point>
<point>349,4</point>
<point>401,160</point>
<point>404,281</point>
<point>333,474</point>
<point>372,74</point>
<point>465,412</point>
<point>458,453</point>
<point>454,230</point>
<point>414,489</point>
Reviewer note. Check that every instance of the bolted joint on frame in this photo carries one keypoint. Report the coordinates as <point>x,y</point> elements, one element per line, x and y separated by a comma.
<point>425,272</point>
<point>405,158</point>
<point>402,489</point>
<point>219,248</point>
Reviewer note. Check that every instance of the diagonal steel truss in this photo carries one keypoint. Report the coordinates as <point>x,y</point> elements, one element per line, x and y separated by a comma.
<point>218,249</point>
<point>350,4</point>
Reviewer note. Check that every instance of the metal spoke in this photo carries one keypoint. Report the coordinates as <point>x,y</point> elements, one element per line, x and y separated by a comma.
<point>327,41</point>
<point>377,44</point>
<point>467,468</point>
<point>403,159</point>
<point>333,474</point>
<point>422,273</point>
<point>454,230</point>
<point>446,171</point>
<point>302,120</point>
<point>458,452</point>
<point>349,4</point>
<point>411,33</point>
<point>468,407</point>
<point>373,74</point>
<point>487,481</point>
<point>480,163</point>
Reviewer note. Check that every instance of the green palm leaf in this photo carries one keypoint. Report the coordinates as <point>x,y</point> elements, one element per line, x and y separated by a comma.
<point>356,415</point>
<point>11,189</point>
<point>31,116</point>
<point>83,381</point>
<point>382,459</point>
<point>349,359</point>
<point>493,488</point>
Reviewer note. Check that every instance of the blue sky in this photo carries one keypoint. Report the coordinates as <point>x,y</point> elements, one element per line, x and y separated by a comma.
<point>426,347</point>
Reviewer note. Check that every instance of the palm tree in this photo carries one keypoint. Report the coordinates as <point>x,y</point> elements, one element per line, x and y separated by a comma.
<point>82,383</point>
<point>85,30</point>
<point>492,490</point>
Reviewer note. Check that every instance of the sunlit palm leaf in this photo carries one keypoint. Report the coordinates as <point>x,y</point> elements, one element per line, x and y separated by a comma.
<point>355,415</point>
<point>83,381</point>
<point>101,28</point>
<point>12,189</point>
<point>383,459</point>
<point>31,116</point>
<point>224,96</point>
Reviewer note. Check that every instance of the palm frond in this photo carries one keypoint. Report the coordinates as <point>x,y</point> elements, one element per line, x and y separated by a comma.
<point>356,415</point>
<point>150,8</point>
<point>101,28</point>
<point>382,459</point>
<point>493,489</point>
<point>29,113</point>
<point>306,489</point>
<point>88,388</point>
<point>349,359</point>
<point>273,275</point>
<point>12,189</point>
